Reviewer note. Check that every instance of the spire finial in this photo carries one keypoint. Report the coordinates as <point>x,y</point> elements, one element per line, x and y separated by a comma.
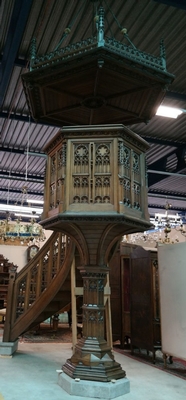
<point>101,26</point>
<point>32,52</point>
<point>162,53</point>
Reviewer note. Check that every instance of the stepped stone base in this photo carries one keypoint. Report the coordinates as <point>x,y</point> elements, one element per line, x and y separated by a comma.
<point>8,348</point>
<point>100,390</point>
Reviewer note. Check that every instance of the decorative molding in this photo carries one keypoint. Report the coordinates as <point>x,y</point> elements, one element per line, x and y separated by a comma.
<point>120,49</point>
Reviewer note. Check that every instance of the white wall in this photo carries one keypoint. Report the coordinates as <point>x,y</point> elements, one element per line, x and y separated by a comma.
<point>172,281</point>
<point>18,254</point>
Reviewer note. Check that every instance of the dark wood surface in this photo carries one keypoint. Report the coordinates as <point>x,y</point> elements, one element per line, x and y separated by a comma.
<point>145,321</point>
<point>5,267</point>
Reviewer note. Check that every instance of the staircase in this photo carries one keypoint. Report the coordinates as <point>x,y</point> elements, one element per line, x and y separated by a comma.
<point>41,289</point>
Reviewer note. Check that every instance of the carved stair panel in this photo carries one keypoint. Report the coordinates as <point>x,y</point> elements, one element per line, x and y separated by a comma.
<point>41,288</point>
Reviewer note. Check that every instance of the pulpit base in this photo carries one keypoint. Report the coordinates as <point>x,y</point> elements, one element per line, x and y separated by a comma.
<point>93,389</point>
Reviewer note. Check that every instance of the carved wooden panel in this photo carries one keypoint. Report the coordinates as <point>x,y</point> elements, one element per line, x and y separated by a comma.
<point>96,170</point>
<point>57,176</point>
<point>91,173</point>
<point>129,176</point>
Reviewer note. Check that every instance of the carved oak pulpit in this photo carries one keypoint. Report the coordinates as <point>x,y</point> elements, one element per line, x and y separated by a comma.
<point>96,183</point>
<point>95,191</point>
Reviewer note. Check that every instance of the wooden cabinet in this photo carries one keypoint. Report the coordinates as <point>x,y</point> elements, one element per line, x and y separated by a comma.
<point>116,305</point>
<point>135,298</point>
<point>120,293</point>
<point>144,301</point>
<point>5,266</point>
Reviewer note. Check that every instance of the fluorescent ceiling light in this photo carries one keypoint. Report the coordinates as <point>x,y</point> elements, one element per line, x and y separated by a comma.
<point>35,201</point>
<point>26,215</point>
<point>22,209</point>
<point>170,112</point>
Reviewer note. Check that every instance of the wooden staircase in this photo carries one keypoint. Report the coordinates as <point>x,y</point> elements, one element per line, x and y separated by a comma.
<point>41,289</point>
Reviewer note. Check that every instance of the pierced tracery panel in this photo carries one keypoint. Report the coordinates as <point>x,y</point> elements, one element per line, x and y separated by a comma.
<point>102,181</point>
<point>95,316</point>
<point>54,258</point>
<point>61,159</point>
<point>81,181</point>
<point>81,189</point>
<point>136,182</point>
<point>33,284</point>
<point>44,271</point>
<point>136,166</point>
<point>124,160</point>
<point>52,195</point>
<point>53,169</point>
<point>137,195</point>
<point>102,189</point>
<point>65,240</point>
<point>61,174</point>
<point>81,154</point>
<point>126,191</point>
<point>91,173</point>
<point>80,199</point>
<point>60,191</point>
<point>21,297</point>
<point>102,154</point>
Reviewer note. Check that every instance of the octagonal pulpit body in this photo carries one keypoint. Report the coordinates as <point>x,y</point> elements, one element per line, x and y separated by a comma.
<point>98,172</point>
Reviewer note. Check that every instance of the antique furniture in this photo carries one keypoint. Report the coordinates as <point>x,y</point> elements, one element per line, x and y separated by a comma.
<point>145,304</point>
<point>96,183</point>
<point>120,268</point>
<point>32,251</point>
<point>5,267</point>
<point>135,304</point>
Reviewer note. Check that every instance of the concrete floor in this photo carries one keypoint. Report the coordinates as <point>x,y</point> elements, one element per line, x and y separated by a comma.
<point>31,375</point>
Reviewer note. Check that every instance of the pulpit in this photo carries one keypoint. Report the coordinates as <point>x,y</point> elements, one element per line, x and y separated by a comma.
<point>95,192</point>
<point>96,180</point>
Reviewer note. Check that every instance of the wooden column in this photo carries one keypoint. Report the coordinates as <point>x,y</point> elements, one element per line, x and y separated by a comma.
<point>93,358</point>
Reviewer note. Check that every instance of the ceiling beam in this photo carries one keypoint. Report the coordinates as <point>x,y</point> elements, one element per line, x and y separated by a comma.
<point>175,96</point>
<point>22,151</point>
<point>17,26</point>
<point>162,142</point>
<point>154,177</point>
<point>17,191</point>
<point>21,177</point>
<point>159,195</point>
<point>173,3</point>
<point>161,207</point>
<point>166,173</point>
<point>27,118</point>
